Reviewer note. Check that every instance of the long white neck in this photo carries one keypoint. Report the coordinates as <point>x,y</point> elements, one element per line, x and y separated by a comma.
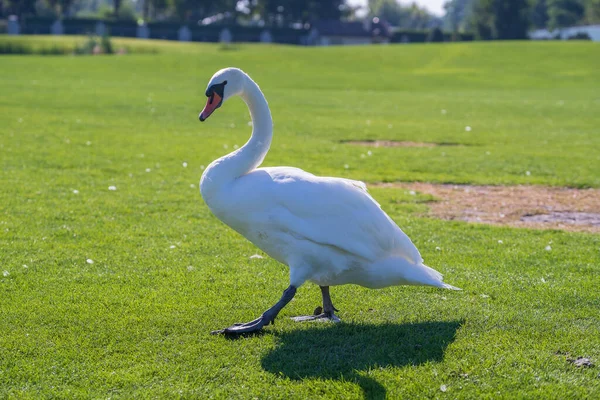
<point>249,156</point>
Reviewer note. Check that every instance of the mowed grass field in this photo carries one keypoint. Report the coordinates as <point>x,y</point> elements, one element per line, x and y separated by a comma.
<point>113,293</point>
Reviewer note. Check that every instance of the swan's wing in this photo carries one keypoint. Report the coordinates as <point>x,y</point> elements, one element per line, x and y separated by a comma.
<point>337,212</point>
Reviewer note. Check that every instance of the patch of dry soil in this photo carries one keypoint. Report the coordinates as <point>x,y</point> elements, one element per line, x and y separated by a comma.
<point>393,143</point>
<point>519,206</point>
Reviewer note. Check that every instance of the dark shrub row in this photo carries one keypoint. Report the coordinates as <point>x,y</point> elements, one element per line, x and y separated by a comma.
<point>162,30</point>
<point>210,33</point>
<point>435,35</point>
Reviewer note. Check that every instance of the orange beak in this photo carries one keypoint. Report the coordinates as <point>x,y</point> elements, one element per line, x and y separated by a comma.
<point>213,102</point>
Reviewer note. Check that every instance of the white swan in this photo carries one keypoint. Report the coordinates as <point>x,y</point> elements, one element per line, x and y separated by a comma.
<point>329,231</point>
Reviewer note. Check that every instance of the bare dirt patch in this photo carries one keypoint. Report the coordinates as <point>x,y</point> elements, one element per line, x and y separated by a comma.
<point>393,143</point>
<point>519,206</point>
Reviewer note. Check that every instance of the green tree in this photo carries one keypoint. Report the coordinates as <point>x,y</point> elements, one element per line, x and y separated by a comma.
<point>458,15</point>
<point>435,35</point>
<point>501,19</point>
<point>406,17</point>
<point>389,10</point>
<point>482,19</point>
<point>563,13</point>
<point>326,10</point>
<point>127,11</point>
<point>284,12</point>
<point>539,13</point>
<point>511,19</point>
<point>592,11</point>
<point>194,10</point>
<point>153,8</point>
<point>183,10</point>
<point>20,8</point>
<point>61,7</point>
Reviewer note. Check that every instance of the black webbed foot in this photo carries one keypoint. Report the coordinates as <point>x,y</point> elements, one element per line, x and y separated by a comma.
<point>268,317</point>
<point>249,327</point>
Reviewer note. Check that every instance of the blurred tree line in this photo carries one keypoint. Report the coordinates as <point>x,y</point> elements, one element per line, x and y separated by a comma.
<point>283,12</point>
<point>511,19</point>
<point>488,19</point>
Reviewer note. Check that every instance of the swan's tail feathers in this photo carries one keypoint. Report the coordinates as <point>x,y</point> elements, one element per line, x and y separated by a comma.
<point>438,279</point>
<point>446,286</point>
<point>435,278</point>
<point>403,272</point>
<point>400,271</point>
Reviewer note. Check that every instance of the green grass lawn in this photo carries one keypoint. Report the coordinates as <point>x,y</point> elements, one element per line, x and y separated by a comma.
<point>113,293</point>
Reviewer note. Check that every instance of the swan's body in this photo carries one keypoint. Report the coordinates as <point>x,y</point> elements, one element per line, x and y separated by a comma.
<point>327,230</point>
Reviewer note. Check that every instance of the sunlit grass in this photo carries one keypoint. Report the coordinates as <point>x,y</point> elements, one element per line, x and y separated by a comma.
<point>135,321</point>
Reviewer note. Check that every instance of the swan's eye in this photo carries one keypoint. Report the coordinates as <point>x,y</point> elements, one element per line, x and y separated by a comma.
<point>217,88</point>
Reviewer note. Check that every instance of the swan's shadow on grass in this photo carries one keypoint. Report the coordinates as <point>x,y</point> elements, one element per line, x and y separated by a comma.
<point>342,351</point>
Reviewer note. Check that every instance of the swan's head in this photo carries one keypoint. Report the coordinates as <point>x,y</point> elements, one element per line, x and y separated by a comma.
<point>225,84</point>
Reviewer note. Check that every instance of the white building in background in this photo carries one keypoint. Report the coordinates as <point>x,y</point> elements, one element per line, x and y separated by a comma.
<point>593,31</point>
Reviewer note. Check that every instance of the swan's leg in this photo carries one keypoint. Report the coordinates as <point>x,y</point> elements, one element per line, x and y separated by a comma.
<point>265,319</point>
<point>328,307</point>
<point>322,313</point>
